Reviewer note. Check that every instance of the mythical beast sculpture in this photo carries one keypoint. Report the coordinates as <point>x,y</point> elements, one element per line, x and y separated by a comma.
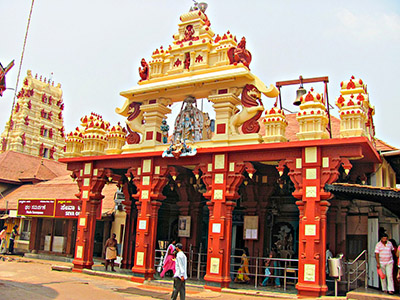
<point>252,109</point>
<point>134,123</point>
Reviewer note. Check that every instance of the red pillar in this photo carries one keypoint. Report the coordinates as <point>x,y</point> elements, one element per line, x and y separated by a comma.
<point>149,179</point>
<point>195,213</point>
<point>129,226</point>
<point>250,204</point>
<point>222,179</point>
<point>91,182</point>
<point>310,173</point>
<point>265,190</point>
<point>184,191</point>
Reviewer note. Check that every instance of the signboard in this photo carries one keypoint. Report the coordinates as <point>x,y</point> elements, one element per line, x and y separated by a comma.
<point>35,208</point>
<point>67,209</point>
<point>250,228</point>
<point>51,208</point>
<point>184,226</point>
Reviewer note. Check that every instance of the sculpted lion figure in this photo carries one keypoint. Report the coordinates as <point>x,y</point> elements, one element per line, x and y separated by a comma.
<point>134,123</point>
<point>252,109</point>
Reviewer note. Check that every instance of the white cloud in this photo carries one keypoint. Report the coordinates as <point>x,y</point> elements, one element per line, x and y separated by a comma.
<point>368,26</point>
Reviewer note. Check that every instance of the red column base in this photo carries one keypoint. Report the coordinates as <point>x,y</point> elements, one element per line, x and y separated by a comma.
<point>310,290</point>
<point>140,274</point>
<point>80,264</point>
<point>216,283</point>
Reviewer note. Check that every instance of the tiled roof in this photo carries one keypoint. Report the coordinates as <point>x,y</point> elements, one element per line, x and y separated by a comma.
<point>293,127</point>
<point>20,168</point>
<point>382,146</point>
<point>367,187</point>
<point>388,197</point>
<point>62,187</point>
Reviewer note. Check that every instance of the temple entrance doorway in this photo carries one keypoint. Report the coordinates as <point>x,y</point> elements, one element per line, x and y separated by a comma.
<point>168,214</point>
<point>238,242</point>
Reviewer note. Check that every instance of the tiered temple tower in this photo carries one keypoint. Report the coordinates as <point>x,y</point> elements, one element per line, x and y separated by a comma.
<point>36,126</point>
<point>312,117</point>
<point>355,110</point>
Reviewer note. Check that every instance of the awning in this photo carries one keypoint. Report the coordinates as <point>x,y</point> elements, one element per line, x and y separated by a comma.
<point>387,197</point>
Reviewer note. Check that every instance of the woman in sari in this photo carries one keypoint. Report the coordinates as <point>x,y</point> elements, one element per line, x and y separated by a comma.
<point>169,259</point>
<point>243,272</point>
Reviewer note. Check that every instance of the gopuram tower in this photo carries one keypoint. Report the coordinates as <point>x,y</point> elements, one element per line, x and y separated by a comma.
<point>36,126</point>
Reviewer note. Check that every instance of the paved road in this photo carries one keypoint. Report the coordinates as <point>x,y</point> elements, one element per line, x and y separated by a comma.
<point>33,279</point>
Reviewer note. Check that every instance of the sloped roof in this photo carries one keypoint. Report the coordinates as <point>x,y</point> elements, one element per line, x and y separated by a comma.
<point>62,187</point>
<point>388,197</point>
<point>19,168</point>
<point>382,146</point>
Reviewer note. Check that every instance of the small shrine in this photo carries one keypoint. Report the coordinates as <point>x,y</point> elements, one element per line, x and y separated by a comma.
<point>355,110</point>
<point>275,125</point>
<point>95,137</point>
<point>36,126</point>
<point>312,117</point>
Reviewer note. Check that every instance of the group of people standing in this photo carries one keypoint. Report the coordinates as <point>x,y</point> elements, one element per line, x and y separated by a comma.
<point>3,239</point>
<point>175,260</point>
<point>387,256</point>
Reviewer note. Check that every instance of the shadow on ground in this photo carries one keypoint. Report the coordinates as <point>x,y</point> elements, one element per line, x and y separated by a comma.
<point>154,294</point>
<point>24,290</point>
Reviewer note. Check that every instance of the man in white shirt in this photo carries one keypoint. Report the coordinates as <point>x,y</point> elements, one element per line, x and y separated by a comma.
<point>384,261</point>
<point>180,274</point>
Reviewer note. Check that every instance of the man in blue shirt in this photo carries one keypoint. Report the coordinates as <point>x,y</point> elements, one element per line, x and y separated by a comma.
<point>180,274</point>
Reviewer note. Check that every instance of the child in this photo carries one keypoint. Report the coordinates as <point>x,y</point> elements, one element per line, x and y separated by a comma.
<point>267,271</point>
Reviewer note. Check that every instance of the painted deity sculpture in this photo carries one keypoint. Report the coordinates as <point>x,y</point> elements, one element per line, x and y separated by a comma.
<point>240,54</point>
<point>144,70</point>
<point>189,123</point>
<point>164,130</point>
<point>252,109</point>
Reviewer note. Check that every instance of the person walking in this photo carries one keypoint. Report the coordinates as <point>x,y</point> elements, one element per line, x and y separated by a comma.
<point>245,264</point>
<point>180,275</point>
<point>111,251</point>
<point>169,259</point>
<point>14,234</point>
<point>384,262</point>
<point>328,256</point>
<point>3,240</point>
<point>267,270</point>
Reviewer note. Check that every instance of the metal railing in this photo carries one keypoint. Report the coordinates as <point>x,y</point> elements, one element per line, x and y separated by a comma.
<point>356,269</point>
<point>281,269</point>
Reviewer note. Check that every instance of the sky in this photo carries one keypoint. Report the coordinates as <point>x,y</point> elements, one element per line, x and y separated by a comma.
<point>94,48</point>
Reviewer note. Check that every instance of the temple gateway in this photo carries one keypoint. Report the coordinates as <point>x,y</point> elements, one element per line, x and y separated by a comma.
<point>243,175</point>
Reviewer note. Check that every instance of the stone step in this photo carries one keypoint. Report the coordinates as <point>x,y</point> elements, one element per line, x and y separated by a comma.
<point>370,294</point>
